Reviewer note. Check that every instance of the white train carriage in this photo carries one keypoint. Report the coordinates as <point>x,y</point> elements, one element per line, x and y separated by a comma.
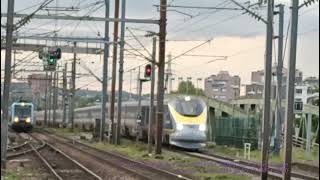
<point>185,120</point>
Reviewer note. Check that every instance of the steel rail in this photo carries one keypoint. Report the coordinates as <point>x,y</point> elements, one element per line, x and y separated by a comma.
<point>14,148</point>
<point>71,143</point>
<point>46,162</point>
<point>272,169</point>
<point>245,165</point>
<point>74,161</point>
<point>14,155</point>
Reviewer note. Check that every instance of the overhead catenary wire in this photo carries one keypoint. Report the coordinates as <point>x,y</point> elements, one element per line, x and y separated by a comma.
<point>210,13</point>
<point>134,36</point>
<point>184,53</point>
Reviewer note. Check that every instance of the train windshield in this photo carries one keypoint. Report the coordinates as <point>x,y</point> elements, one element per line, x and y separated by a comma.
<point>189,108</point>
<point>22,111</point>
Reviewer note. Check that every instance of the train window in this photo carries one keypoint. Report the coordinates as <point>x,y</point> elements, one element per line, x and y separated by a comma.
<point>167,119</point>
<point>189,108</point>
<point>131,113</point>
<point>146,114</point>
<point>22,111</point>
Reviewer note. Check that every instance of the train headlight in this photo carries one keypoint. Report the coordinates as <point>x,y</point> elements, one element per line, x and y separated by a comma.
<point>202,127</point>
<point>16,119</point>
<point>28,120</point>
<point>179,127</point>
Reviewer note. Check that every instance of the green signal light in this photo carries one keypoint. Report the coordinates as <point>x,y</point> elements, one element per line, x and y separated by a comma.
<point>51,61</point>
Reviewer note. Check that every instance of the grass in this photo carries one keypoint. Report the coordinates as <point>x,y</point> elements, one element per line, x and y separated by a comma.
<point>16,175</point>
<point>169,160</point>
<point>140,150</point>
<point>211,176</point>
<point>65,131</point>
<point>299,155</point>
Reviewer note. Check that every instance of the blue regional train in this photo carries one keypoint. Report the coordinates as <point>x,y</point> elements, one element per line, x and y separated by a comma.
<point>22,116</point>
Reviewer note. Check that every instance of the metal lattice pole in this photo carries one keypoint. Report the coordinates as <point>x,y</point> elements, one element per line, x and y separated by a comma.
<point>291,90</point>
<point>122,43</point>
<point>267,93</point>
<point>7,84</point>
<point>105,73</point>
<point>162,53</point>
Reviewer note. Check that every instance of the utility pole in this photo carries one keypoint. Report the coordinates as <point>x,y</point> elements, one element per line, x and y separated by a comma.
<point>46,102</point>
<point>138,80</point>
<point>7,84</point>
<point>267,92</point>
<point>64,96</point>
<point>14,63</point>
<point>73,88</point>
<point>55,97</point>
<point>169,74</point>
<point>49,100</point>
<point>122,43</point>
<point>139,111</point>
<point>309,132</point>
<point>162,57</point>
<point>151,108</point>
<point>189,79</point>
<point>290,90</point>
<point>130,96</point>
<point>199,79</point>
<point>105,73</point>
<point>278,121</point>
<point>114,73</point>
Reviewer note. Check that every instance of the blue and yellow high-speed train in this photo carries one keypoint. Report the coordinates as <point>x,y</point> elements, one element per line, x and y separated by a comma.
<point>189,116</point>
<point>184,123</point>
<point>22,116</point>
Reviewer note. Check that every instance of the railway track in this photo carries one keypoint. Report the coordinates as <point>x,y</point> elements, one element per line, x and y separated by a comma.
<point>58,165</point>
<point>24,148</point>
<point>61,165</point>
<point>247,166</point>
<point>136,169</point>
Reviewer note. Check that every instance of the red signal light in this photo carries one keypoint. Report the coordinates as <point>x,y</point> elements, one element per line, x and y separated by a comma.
<point>148,71</point>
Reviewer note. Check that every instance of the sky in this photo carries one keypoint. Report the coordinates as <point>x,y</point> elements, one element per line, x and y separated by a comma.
<point>238,36</point>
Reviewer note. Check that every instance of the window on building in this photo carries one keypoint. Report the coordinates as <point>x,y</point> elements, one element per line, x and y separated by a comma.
<point>299,91</point>
<point>215,89</point>
<point>298,106</point>
<point>223,90</point>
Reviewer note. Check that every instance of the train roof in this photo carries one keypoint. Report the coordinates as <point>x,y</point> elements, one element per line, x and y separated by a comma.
<point>127,103</point>
<point>28,103</point>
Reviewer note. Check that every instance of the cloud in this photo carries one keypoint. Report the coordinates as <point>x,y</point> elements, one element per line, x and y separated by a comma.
<point>233,34</point>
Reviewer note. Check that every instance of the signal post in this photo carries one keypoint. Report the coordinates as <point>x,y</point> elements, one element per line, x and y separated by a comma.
<point>147,74</point>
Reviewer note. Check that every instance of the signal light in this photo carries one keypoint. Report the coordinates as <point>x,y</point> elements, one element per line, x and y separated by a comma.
<point>148,71</point>
<point>58,53</point>
<point>51,61</point>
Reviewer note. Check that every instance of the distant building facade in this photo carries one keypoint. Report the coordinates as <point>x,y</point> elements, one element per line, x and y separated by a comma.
<point>223,86</point>
<point>302,92</point>
<point>256,88</point>
<point>311,81</point>
<point>258,76</point>
<point>38,83</point>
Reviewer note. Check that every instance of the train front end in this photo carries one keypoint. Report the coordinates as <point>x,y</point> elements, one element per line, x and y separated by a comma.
<point>189,115</point>
<point>22,116</point>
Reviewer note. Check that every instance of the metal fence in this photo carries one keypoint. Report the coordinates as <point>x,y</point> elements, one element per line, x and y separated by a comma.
<point>235,132</point>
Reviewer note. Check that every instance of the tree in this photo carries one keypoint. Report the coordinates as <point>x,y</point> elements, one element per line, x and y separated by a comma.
<point>187,87</point>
